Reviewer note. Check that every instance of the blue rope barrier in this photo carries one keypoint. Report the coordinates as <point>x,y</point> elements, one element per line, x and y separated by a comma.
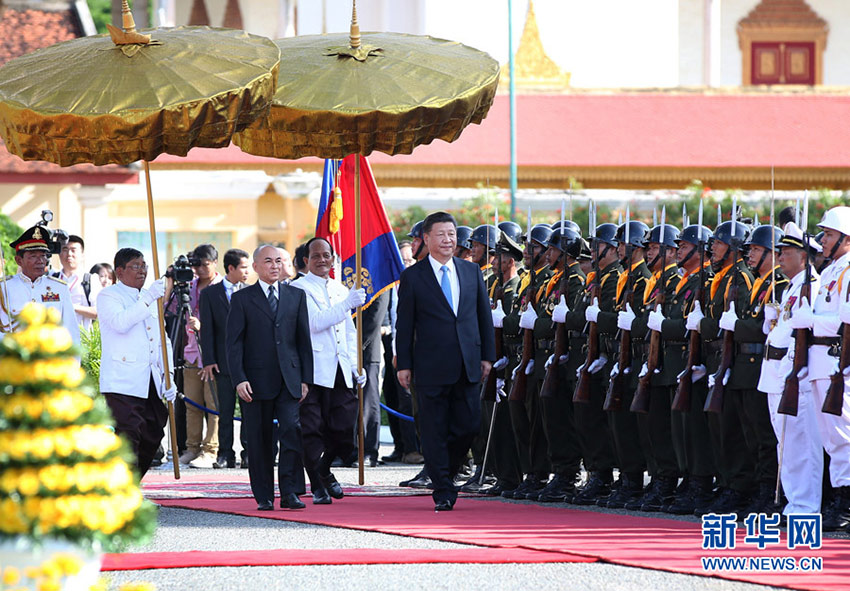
<point>395,413</point>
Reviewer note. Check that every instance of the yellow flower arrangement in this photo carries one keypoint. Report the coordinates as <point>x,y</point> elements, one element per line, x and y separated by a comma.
<point>64,472</point>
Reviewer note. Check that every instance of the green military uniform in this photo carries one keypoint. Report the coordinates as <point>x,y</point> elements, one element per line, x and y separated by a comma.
<point>591,423</point>
<point>748,403</point>
<point>734,468</point>
<point>624,429</point>
<point>558,422</point>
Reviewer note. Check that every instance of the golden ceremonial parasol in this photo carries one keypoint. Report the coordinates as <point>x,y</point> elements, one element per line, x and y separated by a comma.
<point>131,96</point>
<point>353,94</point>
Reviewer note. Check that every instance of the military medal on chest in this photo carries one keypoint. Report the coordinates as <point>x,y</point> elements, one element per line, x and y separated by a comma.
<point>50,296</point>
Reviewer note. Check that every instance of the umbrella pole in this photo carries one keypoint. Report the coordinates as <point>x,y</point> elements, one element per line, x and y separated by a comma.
<point>161,315</point>
<point>358,262</point>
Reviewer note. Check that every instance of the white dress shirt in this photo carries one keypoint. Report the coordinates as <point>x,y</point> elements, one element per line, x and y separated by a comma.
<point>229,288</point>
<point>78,294</point>
<point>266,287</point>
<point>453,280</point>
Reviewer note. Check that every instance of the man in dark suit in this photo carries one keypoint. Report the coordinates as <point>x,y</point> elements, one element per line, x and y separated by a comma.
<point>214,306</point>
<point>271,362</point>
<point>445,348</point>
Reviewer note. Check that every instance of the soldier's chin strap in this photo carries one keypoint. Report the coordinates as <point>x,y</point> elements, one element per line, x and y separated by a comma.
<point>838,243</point>
<point>722,262</point>
<point>419,250</point>
<point>757,268</point>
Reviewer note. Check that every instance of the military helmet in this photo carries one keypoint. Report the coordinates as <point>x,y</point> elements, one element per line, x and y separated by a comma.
<point>512,229</point>
<point>463,234</point>
<point>567,224</point>
<point>540,234</point>
<point>606,233</point>
<point>569,241</point>
<point>765,236</point>
<point>416,230</point>
<point>585,253</point>
<point>638,234</point>
<point>695,234</point>
<point>669,238</point>
<point>723,233</point>
<point>838,219</point>
<point>486,234</point>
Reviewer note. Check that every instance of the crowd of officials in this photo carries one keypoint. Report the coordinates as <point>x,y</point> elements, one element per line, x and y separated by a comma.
<point>700,366</point>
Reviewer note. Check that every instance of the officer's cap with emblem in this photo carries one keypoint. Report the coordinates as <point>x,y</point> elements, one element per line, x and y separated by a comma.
<point>794,237</point>
<point>34,238</point>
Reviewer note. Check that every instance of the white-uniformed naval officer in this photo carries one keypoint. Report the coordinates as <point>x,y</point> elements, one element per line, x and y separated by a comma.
<point>802,458</point>
<point>31,284</point>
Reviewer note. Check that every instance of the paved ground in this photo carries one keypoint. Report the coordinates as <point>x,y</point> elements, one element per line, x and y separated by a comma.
<point>181,529</point>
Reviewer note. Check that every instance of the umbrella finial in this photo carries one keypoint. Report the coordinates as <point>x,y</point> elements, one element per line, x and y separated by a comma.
<point>355,26</point>
<point>128,36</point>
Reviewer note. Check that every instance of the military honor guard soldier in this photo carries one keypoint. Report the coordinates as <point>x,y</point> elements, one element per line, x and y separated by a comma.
<point>30,284</point>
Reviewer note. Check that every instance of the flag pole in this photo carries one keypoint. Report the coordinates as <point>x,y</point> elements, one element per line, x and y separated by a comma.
<point>161,315</point>
<point>358,263</point>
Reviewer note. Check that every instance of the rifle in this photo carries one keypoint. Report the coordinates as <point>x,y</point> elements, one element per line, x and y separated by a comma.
<point>834,400</point>
<point>520,382</point>
<point>488,392</point>
<point>682,399</point>
<point>640,402</point>
<point>789,402</point>
<point>551,381</point>
<point>617,384</point>
<point>582,393</point>
<point>714,401</point>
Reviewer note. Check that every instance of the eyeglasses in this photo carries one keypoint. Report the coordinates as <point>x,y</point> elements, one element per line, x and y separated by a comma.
<point>136,267</point>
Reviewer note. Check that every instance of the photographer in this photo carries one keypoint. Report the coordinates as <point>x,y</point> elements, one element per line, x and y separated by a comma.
<point>83,290</point>
<point>32,251</point>
<point>201,450</point>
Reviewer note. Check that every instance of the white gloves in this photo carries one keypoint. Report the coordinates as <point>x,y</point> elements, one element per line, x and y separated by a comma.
<point>598,364</point>
<point>625,318</point>
<point>356,298</point>
<point>771,312</point>
<point>614,371</point>
<point>170,394</point>
<point>786,366</point>
<point>498,315</point>
<point>802,317</point>
<point>561,360</point>
<point>694,318</point>
<point>655,320</point>
<point>644,369</point>
<point>729,318</point>
<point>359,379</point>
<point>529,369</point>
<point>528,317</point>
<point>559,312</point>
<point>500,390</point>
<point>500,363</point>
<point>698,372</point>
<point>592,311</point>
<point>844,312</point>
<point>549,361</point>
<point>154,292</point>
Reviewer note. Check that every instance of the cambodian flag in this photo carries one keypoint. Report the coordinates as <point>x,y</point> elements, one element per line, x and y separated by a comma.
<point>381,260</point>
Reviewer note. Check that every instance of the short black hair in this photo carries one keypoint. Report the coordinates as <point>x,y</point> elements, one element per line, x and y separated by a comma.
<point>787,214</point>
<point>302,251</point>
<point>233,257</point>
<point>98,267</point>
<point>437,217</point>
<point>77,239</point>
<point>316,239</point>
<point>404,243</point>
<point>205,252</point>
<point>125,255</point>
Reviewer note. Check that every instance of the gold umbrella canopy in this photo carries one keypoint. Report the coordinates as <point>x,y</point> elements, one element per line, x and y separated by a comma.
<point>89,100</point>
<point>394,92</point>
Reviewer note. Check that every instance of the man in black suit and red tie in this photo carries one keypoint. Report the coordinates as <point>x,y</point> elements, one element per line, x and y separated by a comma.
<point>445,348</point>
<point>271,362</point>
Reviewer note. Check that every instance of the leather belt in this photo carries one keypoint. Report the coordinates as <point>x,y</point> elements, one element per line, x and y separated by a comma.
<point>827,341</point>
<point>574,334</point>
<point>675,342</point>
<point>545,344</point>
<point>751,348</point>
<point>512,348</point>
<point>713,347</point>
<point>776,353</point>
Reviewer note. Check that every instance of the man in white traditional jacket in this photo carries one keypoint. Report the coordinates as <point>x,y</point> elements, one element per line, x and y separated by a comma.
<point>798,436</point>
<point>824,321</point>
<point>329,411</point>
<point>131,371</point>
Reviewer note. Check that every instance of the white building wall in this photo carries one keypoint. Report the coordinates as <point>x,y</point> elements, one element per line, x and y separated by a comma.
<point>690,41</point>
<point>836,56</point>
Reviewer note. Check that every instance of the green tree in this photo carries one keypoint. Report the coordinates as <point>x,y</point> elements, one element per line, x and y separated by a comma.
<point>9,231</point>
<point>101,13</point>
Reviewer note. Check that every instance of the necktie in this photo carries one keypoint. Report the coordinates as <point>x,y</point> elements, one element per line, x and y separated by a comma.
<point>272,299</point>
<point>446,285</point>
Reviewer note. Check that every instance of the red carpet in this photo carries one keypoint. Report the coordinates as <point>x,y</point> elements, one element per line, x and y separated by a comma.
<point>157,560</point>
<point>644,542</point>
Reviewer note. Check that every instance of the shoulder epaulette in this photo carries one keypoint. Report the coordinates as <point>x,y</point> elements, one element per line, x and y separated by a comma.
<point>57,279</point>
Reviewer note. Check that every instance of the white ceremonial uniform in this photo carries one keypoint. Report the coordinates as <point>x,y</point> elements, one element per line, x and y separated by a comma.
<point>834,430</point>
<point>45,290</point>
<point>802,458</point>
<point>130,342</point>
<point>78,294</point>
<point>332,330</point>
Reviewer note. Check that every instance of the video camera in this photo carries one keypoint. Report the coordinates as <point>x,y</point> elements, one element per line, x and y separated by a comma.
<point>57,238</point>
<point>181,271</point>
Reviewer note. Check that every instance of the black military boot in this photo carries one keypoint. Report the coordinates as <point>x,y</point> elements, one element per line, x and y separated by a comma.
<point>836,515</point>
<point>631,488</point>
<point>636,503</point>
<point>524,487</point>
<point>728,501</point>
<point>660,496</point>
<point>540,482</point>
<point>561,488</point>
<point>699,493</point>
<point>598,484</point>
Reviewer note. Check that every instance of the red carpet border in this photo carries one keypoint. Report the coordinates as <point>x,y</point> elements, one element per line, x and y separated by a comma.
<point>644,542</point>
